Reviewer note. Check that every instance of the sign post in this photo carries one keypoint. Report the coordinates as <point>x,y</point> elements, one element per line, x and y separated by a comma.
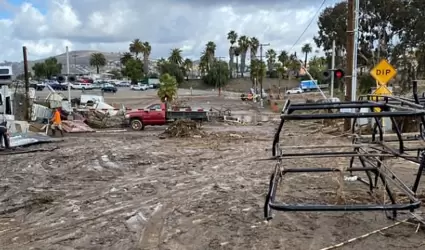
<point>383,72</point>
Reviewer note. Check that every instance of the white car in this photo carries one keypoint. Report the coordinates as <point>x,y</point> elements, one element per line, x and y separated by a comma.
<point>123,84</point>
<point>82,86</point>
<point>294,91</point>
<point>139,87</point>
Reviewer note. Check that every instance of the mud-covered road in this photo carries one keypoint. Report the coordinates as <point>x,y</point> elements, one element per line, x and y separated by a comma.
<point>136,191</point>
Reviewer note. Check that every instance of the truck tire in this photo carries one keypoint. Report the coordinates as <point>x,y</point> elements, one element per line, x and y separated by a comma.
<point>137,125</point>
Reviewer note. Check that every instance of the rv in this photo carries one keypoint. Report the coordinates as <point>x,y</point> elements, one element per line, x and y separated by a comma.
<point>5,94</point>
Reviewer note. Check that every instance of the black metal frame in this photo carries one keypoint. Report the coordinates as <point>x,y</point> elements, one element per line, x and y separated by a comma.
<point>371,153</point>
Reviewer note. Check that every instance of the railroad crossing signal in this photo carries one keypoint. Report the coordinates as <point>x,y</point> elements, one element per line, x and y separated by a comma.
<point>383,72</point>
<point>338,73</point>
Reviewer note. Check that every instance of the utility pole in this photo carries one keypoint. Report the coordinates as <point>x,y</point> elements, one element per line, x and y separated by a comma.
<point>27,85</point>
<point>349,61</point>
<point>333,68</point>
<point>67,74</point>
<point>355,51</point>
<point>261,77</point>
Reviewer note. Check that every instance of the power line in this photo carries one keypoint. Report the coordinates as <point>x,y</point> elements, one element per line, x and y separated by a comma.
<point>308,25</point>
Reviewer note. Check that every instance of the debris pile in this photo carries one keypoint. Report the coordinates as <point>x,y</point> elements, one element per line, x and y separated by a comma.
<point>182,128</point>
<point>98,119</point>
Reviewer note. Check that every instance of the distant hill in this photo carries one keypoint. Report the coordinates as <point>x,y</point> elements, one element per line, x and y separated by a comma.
<point>79,62</point>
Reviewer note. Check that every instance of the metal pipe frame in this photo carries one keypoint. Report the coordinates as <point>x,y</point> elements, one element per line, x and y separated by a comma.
<point>371,153</point>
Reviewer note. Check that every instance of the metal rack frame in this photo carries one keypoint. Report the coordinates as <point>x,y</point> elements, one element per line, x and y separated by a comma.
<point>371,152</point>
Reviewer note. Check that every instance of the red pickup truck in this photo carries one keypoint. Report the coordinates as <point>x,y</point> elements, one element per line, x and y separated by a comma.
<point>158,114</point>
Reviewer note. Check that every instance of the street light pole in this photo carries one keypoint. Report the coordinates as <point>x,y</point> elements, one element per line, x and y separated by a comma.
<point>261,77</point>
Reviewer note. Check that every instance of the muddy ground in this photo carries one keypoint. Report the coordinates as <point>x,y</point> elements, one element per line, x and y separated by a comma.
<point>133,190</point>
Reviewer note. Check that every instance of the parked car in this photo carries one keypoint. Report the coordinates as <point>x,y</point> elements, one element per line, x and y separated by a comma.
<point>123,84</point>
<point>139,87</point>
<point>294,91</point>
<point>81,86</point>
<point>58,86</point>
<point>109,88</point>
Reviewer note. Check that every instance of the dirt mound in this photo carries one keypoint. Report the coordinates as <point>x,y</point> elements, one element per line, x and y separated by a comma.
<point>182,128</point>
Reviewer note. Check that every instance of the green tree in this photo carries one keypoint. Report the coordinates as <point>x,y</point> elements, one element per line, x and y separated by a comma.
<point>125,58</point>
<point>218,75</point>
<point>97,60</point>
<point>39,70</point>
<point>210,48</point>
<point>243,43</point>
<point>136,47</point>
<point>254,45</point>
<point>134,70</point>
<point>176,56</point>
<point>47,69</point>
<point>232,36</point>
<point>271,59</point>
<point>173,70</point>
<point>283,58</point>
<point>306,49</point>
<point>258,70</point>
<point>188,65</point>
<point>167,91</point>
<point>147,49</point>
<point>116,73</point>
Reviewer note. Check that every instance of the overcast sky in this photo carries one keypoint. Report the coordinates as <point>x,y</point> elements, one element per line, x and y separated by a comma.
<point>47,26</point>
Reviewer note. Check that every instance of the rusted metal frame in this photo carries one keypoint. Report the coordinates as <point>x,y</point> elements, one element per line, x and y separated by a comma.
<point>385,170</point>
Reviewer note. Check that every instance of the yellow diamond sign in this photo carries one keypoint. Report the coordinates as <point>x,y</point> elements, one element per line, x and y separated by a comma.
<point>381,90</point>
<point>383,72</point>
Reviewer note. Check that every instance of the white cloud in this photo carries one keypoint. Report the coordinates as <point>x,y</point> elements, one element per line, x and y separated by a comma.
<point>108,25</point>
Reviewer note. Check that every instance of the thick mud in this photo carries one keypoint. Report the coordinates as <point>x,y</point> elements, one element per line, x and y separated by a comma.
<point>137,191</point>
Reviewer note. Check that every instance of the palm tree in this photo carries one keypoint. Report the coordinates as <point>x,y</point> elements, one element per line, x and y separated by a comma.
<point>237,52</point>
<point>258,71</point>
<point>210,52</point>
<point>136,47</point>
<point>254,44</point>
<point>125,58</point>
<point>271,59</point>
<point>243,43</point>
<point>97,60</point>
<point>283,58</point>
<point>188,65</point>
<point>176,56</point>
<point>232,36</point>
<point>306,49</point>
<point>159,63</point>
<point>168,89</point>
<point>147,49</point>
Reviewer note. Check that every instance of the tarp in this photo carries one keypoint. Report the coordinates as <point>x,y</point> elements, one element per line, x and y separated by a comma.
<point>76,126</point>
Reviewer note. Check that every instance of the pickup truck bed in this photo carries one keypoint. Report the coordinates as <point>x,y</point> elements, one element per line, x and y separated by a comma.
<point>192,115</point>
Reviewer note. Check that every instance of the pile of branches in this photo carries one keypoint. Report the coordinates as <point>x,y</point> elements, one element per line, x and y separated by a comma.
<point>98,119</point>
<point>182,128</point>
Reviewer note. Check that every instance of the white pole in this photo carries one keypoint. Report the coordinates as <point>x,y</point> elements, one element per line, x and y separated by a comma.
<point>67,74</point>
<point>333,68</point>
<point>355,52</point>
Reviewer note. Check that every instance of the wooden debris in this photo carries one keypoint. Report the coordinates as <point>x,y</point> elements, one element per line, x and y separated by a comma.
<point>182,128</point>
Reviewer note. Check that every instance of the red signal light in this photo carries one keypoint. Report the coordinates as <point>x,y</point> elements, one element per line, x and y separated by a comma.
<point>339,73</point>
